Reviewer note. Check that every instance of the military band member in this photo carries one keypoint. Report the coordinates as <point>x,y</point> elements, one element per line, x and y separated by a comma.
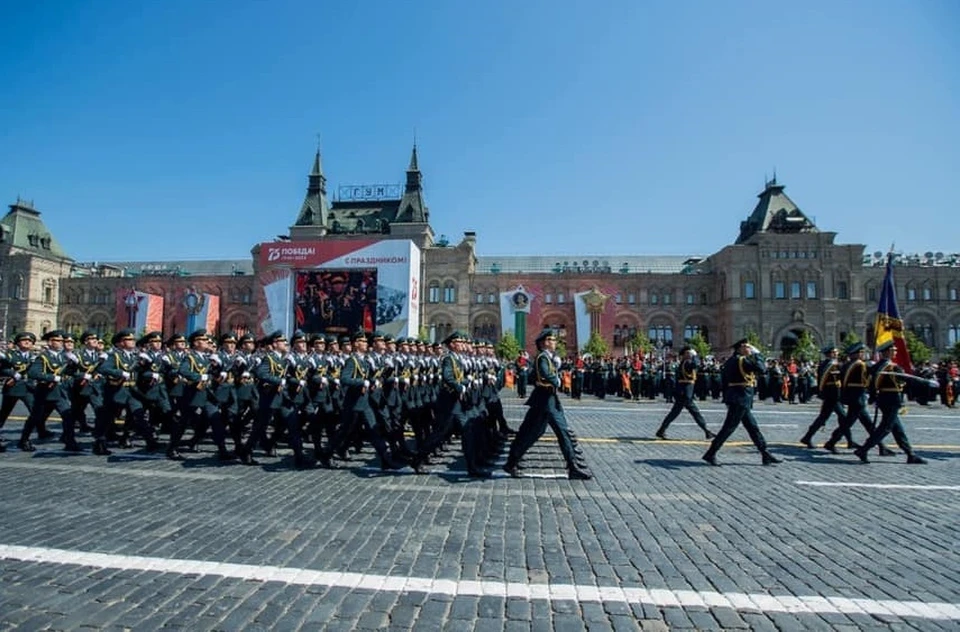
<point>545,409</point>
<point>686,378</point>
<point>888,379</point>
<point>13,372</point>
<point>49,371</point>
<point>739,374</point>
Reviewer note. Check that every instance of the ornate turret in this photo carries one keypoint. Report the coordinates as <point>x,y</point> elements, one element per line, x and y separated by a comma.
<point>412,207</point>
<point>312,222</point>
<point>775,213</point>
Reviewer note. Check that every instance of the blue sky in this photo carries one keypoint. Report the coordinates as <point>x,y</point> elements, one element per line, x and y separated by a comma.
<point>183,129</point>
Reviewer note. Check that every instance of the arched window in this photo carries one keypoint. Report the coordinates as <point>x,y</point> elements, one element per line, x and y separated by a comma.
<point>485,329</point>
<point>439,331</point>
<point>449,292</point>
<point>661,332</point>
<point>692,330</point>
<point>433,292</point>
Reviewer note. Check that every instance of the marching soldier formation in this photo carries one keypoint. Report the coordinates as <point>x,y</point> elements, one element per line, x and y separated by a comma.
<point>324,396</point>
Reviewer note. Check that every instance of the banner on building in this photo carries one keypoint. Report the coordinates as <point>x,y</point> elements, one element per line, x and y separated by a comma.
<point>339,287</point>
<point>139,311</point>
<point>515,307</point>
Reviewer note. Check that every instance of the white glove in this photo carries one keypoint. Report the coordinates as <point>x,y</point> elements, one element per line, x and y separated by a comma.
<point>204,377</point>
<point>87,376</point>
<point>17,377</point>
<point>215,359</point>
<point>245,374</point>
<point>406,381</point>
<point>56,379</point>
<point>155,376</point>
<point>336,381</point>
<point>366,384</point>
<point>303,382</point>
<point>283,381</point>
<point>126,375</point>
<point>145,357</point>
<point>324,381</point>
<point>693,352</point>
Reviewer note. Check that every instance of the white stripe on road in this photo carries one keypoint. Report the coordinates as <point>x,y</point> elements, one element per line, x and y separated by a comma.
<point>70,468</point>
<point>759,408</point>
<point>462,473</point>
<point>812,604</point>
<point>951,488</point>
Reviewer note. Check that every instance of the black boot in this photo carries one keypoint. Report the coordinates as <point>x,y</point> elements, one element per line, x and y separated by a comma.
<point>100,448</point>
<point>769,459</point>
<point>26,446</point>
<point>711,458</point>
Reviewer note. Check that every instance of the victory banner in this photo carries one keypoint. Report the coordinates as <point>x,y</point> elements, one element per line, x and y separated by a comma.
<point>340,287</point>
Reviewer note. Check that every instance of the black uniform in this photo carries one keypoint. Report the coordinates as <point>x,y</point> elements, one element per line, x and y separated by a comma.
<point>686,379</point>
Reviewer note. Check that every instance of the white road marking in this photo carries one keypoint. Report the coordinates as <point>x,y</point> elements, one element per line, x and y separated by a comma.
<point>952,488</point>
<point>797,604</point>
<point>70,468</point>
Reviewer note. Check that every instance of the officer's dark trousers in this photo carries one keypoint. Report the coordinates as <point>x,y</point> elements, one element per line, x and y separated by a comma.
<point>356,421</point>
<point>41,411</point>
<point>889,423</point>
<point>534,424</point>
<point>855,412</point>
<point>828,407</point>
<point>738,414</point>
<point>680,403</point>
<point>9,401</point>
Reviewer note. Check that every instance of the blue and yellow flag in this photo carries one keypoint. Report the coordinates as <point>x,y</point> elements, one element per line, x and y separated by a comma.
<point>889,325</point>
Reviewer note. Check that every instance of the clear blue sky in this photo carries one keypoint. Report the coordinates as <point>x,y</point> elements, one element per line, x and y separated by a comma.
<point>184,129</point>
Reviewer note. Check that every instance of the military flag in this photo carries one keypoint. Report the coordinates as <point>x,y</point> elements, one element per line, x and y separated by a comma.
<point>889,325</point>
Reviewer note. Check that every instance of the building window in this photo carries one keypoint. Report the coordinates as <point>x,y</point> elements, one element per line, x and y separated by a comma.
<point>478,298</point>
<point>663,333</point>
<point>692,330</point>
<point>691,299</point>
<point>548,298</point>
<point>492,298</point>
<point>811,289</point>
<point>561,298</point>
<point>795,289</point>
<point>953,293</point>
<point>16,288</point>
<point>953,335</point>
<point>924,332</point>
<point>667,298</point>
<point>927,294</point>
<point>48,295</point>
<point>871,295</point>
<point>433,292</point>
<point>449,292</point>
<point>749,290</point>
<point>779,290</point>
<point>632,298</point>
<point>842,290</point>
<point>247,297</point>
<point>618,298</point>
<point>654,298</point>
<point>911,294</point>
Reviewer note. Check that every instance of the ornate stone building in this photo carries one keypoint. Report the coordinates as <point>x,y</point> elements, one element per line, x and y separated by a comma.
<point>782,275</point>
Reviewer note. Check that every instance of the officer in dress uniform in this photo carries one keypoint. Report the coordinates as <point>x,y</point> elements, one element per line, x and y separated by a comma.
<point>87,389</point>
<point>686,378</point>
<point>150,387</point>
<point>321,419</point>
<point>888,379</point>
<point>739,374</point>
<point>49,371</point>
<point>296,406</point>
<point>545,409</point>
<point>13,372</point>
<point>118,370</point>
<point>828,388</point>
<point>245,392</point>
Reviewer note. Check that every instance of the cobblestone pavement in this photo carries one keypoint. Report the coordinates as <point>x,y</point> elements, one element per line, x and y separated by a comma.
<point>658,540</point>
